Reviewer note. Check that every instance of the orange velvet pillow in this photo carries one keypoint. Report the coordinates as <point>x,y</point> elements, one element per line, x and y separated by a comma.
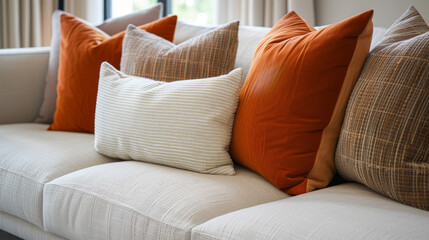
<point>83,49</point>
<point>292,103</point>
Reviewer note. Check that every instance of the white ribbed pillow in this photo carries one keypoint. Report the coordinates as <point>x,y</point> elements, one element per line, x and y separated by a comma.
<point>185,124</point>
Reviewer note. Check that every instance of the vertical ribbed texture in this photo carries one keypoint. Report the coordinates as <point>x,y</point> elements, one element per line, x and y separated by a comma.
<point>261,12</point>
<point>25,23</point>
<point>208,55</point>
<point>184,124</point>
<point>384,142</point>
<point>91,11</point>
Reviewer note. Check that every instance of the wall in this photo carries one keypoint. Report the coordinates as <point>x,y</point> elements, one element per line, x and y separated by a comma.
<point>385,11</point>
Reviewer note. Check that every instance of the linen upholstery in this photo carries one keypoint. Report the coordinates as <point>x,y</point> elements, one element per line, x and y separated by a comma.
<point>384,142</point>
<point>16,83</point>
<point>30,156</point>
<point>347,211</point>
<point>207,55</point>
<point>138,200</point>
<point>185,124</point>
<point>23,229</point>
<point>110,26</point>
<point>292,103</point>
<point>83,49</point>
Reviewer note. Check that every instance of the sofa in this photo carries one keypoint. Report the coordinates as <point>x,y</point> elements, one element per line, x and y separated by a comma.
<point>54,185</point>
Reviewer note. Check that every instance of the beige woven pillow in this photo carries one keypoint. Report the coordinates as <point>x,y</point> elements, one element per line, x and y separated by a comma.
<point>207,55</point>
<point>184,124</point>
<point>384,142</point>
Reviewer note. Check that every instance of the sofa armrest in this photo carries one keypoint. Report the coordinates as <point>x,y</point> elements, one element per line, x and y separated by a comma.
<point>22,82</point>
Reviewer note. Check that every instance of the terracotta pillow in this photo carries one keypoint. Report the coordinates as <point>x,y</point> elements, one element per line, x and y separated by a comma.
<point>384,142</point>
<point>207,55</point>
<point>292,102</point>
<point>111,26</point>
<point>83,49</point>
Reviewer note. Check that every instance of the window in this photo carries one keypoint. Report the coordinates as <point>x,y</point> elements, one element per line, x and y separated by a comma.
<point>199,12</point>
<point>194,11</point>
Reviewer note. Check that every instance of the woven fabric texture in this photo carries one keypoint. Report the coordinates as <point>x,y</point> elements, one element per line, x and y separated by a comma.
<point>183,124</point>
<point>138,200</point>
<point>384,141</point>
<point>30,156</point>
<point>347,211</point>
<point>23,229</point>
<point>207,55</point>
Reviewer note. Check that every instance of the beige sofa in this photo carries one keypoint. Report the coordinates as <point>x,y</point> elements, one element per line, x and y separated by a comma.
<point>54,185</point>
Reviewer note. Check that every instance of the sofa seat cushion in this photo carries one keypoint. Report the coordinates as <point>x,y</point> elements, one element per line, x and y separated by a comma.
<point>346,211</point>
<point>138,200</point>
<point>30,156</point>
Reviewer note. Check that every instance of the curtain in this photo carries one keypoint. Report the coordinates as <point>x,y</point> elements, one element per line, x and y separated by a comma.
<point>27,23</point>
<point>261,12</point>
<point>90,10</point>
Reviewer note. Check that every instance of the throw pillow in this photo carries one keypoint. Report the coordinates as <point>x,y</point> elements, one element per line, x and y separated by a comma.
<point>110,26</point>
<point>207,55</point>
<point>83,49</point>
<point>292,103</point>
<point>248,39</point>
<point>384,142</point>
<point>184,124</point>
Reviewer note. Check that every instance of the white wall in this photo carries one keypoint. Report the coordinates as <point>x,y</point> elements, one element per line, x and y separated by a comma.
<point>385,11</point>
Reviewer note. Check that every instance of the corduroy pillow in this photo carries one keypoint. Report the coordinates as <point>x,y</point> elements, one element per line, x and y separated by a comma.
<point>110,26</point>
<point>184,124</point>
<point>83,49</point>
<point>207,55</point>
<point>292,103</point>
<point>384,141</point>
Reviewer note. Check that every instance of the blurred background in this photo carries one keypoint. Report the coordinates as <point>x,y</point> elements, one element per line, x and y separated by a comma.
<point>27,23</point>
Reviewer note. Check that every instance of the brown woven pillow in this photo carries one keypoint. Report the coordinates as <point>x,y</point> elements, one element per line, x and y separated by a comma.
<point>384,141</point>
<point>207,55</point>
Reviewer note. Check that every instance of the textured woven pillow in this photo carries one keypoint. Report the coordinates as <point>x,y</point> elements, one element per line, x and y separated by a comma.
<point>384,141</point>
<point>207,55</point>
<point>293,100</point>
<point>111,27</point>
<point>248,39</point>
<point>184,124</point>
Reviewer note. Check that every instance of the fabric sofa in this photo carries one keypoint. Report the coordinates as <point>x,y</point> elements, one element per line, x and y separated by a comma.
<point>54,185</point>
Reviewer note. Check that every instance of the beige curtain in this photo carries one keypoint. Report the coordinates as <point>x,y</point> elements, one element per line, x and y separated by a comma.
<point>90,10</point>
<point>261,12</point>
<point>25,23</point>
